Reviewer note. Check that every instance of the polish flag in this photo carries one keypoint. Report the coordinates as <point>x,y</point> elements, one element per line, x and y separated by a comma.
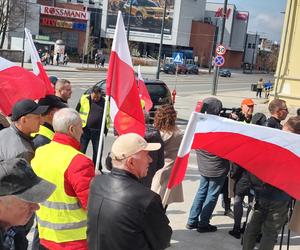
<point>125,106</point>
<point>144,94</point>
<point>270,154</point>
<point>37,66</point>
<point>17,83</point>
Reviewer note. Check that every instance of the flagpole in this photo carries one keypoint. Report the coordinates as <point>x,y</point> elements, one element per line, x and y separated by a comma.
<point>103,124</point>
<point>166,197</point>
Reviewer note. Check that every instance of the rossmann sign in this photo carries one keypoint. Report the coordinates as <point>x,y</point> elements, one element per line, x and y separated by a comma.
<point>54,11</point>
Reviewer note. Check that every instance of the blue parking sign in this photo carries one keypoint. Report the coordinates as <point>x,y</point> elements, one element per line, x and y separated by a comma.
<point>178,58</point>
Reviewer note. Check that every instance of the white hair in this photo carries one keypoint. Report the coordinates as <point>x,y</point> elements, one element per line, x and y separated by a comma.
<point>64,118</point>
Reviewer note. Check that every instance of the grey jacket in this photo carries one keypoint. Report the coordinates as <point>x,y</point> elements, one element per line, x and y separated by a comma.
<point>13,143</point>
<point>210,165</point>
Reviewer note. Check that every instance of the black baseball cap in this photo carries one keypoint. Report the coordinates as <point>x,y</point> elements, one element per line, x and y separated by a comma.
<point>52,101</point>
<point>17,178</point>
<point>27,106</point>
<point>53,79</point>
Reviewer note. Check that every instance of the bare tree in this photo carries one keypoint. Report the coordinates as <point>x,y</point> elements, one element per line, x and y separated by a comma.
<point>4,17</point>
<point>11,17</point>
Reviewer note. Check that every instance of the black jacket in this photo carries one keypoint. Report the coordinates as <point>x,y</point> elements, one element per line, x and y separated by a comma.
<point>125,215</point>
<point>273,122</point>
<point>242,181</point>
<point>40,140</point>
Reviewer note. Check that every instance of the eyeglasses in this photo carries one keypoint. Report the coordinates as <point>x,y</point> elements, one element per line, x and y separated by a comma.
<point>285,109</point>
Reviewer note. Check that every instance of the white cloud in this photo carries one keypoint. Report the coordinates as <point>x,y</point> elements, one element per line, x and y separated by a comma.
<point>269,24</point>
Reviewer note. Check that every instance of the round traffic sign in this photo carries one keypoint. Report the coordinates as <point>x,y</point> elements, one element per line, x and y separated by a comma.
<point>221,50</point>
<point>219,61</point>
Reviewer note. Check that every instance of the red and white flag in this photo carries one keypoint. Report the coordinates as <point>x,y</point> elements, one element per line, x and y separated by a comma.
<point>125,106</point>
<point>37,66</point>
<point>17,83</point>
<point>270,154</point>
<point>143,91</point>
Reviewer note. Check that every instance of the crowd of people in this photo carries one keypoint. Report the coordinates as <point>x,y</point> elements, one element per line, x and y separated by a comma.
<point>49,57</point>
<point>46,176</point>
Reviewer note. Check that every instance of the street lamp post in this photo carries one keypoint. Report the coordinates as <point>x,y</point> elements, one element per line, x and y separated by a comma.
<point>161,40</point>
<point>128,23</point>
<point>24,26</point>
<point>216,68</point>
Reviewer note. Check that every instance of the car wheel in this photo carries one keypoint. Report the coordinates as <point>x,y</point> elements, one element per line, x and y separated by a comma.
<point>139,19</point>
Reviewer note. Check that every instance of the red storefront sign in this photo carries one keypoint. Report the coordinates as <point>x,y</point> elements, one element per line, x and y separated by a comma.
<point>62,24</point>
<point>242,16</point>
<point>219,13</point>
<point>54,11</point>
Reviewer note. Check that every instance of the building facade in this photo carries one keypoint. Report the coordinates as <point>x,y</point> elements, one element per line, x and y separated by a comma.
<point>235,31</point>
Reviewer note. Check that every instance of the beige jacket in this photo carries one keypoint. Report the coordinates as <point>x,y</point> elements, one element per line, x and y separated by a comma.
<point>160,180</point>
<point>294,223</point>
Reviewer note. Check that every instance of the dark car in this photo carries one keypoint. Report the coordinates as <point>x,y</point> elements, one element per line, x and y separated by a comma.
<point>158,91</point>
<point>192,69</point>
<point>225,72</point>
<point>171,68</point>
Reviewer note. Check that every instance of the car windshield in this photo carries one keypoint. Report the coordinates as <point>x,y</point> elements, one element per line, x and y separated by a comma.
<point>146,3</point>
<point>156,91</point>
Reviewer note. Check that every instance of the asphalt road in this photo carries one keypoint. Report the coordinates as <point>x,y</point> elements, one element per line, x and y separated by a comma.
<point>185,84</point>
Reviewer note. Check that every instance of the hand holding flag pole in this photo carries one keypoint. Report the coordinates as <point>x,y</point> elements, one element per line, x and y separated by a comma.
<point>270,154</point>
<point>121,89</point>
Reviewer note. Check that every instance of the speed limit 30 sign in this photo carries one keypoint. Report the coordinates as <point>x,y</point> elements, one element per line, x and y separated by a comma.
<point>220,50</point>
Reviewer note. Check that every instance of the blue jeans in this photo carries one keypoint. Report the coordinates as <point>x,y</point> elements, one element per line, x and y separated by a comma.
<point>205,200</point>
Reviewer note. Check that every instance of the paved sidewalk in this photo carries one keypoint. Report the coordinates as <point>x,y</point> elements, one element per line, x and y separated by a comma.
<point>191,239</point>
<point>230,99</point>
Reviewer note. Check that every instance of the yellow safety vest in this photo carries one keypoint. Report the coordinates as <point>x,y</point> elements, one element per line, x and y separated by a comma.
<point>85,110</point>
<point>45,132</point>
<point>143,104</point>
<point>61,217</point>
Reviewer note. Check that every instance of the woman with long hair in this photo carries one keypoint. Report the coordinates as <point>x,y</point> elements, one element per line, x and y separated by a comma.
<point>164,121</point>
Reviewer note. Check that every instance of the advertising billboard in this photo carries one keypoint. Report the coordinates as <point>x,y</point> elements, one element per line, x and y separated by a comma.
<point>145,18</point>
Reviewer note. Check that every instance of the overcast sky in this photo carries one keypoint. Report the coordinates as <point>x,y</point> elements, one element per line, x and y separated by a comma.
<point>265,17</point>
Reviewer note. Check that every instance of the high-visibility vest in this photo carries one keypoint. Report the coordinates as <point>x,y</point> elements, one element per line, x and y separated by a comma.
<point>85,110</point>
<point>43,130</point>
<point>61,217</point>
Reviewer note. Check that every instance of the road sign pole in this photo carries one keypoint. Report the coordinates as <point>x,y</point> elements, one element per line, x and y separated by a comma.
<point>216,75</point>
<point>161,40</point>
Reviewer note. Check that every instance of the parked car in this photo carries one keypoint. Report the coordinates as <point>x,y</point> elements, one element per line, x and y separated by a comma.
<point>182,69</point>
<point>225,73</point>
<point>158,91</point>
<point>170,68</point>
<point>192,69</point>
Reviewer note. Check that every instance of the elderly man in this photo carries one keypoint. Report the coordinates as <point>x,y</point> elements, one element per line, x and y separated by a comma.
<point>20,191</point>
<point>278,111</point>
<point>15,140</point>
<point>46,131</point>
<point>62,218</point>
<point>63,90</point>
<point>122,213</point>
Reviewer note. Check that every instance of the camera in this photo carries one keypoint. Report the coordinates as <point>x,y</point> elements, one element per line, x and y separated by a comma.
<point>232,113</point>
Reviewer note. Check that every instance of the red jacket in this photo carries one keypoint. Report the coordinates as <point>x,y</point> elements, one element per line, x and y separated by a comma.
<point>78,176</point>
